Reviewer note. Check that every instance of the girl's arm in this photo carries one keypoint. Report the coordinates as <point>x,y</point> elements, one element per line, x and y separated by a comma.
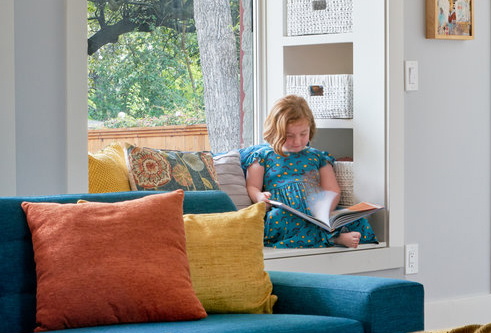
<point>254,183</point>
<point>329,183</point>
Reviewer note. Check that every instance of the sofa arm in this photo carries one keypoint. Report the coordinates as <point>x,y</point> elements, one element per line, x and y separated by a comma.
<point>381,305</point>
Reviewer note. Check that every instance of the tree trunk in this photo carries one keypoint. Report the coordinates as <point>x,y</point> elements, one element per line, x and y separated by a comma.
<point>220,69</point>
<point>247,73</point>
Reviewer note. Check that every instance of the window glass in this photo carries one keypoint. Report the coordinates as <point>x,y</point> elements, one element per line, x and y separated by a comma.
<point>172,62</point>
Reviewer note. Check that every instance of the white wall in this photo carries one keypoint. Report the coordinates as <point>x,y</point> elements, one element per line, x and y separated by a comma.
<point>447,154</point>
<point>40,147</point>
<point>7,100</point>
<point>40,96</point>
<point>447,169</point>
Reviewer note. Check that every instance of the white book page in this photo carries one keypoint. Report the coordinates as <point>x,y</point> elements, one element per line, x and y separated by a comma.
<point>320,204</point>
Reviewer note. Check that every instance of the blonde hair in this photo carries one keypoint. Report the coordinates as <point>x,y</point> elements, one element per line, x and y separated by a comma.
<point>285,111</point>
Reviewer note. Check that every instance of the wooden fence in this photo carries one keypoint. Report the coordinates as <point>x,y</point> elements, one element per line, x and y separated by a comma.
<point>186,138</point>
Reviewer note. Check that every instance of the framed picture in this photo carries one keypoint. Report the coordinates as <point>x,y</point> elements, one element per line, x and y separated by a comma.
<point>450,19</point>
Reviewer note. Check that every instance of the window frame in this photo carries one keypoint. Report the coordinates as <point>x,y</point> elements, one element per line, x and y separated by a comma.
<point>344,262</point>
<point>76,97</point>
<point>348,261</point>
<point>7,100</point>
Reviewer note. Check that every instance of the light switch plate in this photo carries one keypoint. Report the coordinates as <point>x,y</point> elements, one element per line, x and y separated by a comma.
<point>411,75</point>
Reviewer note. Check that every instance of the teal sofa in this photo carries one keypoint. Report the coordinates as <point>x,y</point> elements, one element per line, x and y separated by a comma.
<point>306,302</point>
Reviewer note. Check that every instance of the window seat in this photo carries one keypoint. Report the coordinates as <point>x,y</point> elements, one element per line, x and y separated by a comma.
<point>335,260</point>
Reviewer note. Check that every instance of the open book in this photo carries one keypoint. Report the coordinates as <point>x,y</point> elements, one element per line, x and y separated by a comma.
<point>322,217</point>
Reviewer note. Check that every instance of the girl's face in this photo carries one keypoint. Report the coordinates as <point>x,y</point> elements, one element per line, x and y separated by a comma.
<point>297,136</point>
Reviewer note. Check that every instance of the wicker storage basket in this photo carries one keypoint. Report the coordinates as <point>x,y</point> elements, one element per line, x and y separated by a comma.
<point>329,96</point>
<point>344,176</point>
<point>308,17</point>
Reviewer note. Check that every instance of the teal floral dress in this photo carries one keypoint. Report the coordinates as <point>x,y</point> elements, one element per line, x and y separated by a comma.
<point>291,180</point>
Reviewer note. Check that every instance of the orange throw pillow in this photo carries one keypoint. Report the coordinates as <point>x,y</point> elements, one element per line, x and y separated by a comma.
<point>109,263</point>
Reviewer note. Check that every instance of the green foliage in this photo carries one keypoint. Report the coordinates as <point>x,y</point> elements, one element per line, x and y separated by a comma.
<point>149,121</point>
<point>146,75</point>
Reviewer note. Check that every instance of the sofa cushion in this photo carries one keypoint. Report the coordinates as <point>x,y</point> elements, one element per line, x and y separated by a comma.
<point>18,281</point>
<point>226,261</point>
<point>240,323</point>
<point>166,170</point>
<point>231,178</point>
<point>380,304</point>
<point>108,263</point>
<point>107,170</point>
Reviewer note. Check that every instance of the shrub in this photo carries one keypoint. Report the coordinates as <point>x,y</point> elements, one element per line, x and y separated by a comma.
<point>165,120</point>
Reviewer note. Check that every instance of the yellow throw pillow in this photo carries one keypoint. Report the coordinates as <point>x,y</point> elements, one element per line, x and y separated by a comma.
<point>225,252</point>
<point>107,170</point>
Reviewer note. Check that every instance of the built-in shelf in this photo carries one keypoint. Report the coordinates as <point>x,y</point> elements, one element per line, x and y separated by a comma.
<point>334,123</point>
<point>318,39</point>
<point>363,138</point>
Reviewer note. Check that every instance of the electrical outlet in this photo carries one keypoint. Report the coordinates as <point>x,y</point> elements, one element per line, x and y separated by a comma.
<point>412,258</point>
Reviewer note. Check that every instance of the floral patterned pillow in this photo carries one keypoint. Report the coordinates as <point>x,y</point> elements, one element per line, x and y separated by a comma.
<point>167,170</point>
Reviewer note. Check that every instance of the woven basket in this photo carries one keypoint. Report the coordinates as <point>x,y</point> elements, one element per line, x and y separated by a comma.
<point>329,96</point>
<point>344,176</point>
<point>308,17</point>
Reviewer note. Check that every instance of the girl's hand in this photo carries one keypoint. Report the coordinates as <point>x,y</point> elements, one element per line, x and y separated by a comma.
<point>263,196</point>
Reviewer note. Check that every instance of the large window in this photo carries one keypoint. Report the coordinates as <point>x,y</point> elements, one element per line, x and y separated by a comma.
<point>172,62</point>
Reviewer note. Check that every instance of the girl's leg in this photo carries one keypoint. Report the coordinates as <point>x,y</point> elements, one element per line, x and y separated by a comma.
<point>348,239</point>
<point>362,227</point>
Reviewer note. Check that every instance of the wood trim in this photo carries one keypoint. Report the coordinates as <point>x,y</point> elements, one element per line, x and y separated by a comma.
<point>177,137</point>
<point>137,132</point>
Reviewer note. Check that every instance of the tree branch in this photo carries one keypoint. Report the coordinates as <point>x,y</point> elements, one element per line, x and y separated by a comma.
<point>144,17</point>
<point>109,34</point>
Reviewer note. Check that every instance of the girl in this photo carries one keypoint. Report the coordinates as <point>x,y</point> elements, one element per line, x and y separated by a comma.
<point>289,171</point>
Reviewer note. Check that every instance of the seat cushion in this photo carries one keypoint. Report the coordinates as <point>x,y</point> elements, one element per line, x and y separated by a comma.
<point>239,323</point>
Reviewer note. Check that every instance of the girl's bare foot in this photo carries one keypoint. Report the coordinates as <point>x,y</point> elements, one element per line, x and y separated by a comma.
<point>348,239</point>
